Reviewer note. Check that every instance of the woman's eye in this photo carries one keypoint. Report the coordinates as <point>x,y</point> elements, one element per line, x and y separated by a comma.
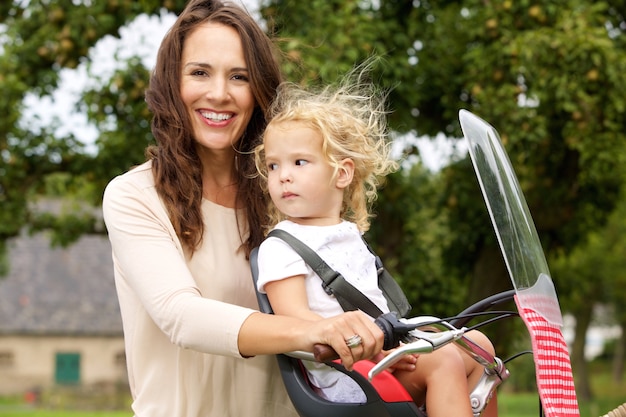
<point>240,77</point>
<point>199,73</point>
<point>301,162</point>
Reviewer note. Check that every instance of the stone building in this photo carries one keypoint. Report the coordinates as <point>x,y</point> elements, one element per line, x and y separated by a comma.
<point>60,321</point>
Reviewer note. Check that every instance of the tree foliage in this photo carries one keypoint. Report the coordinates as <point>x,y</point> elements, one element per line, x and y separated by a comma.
<point>410,235</point>
<point>39,39</point>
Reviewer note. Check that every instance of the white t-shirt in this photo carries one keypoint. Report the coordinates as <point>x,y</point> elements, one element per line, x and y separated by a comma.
<point>343,249</point>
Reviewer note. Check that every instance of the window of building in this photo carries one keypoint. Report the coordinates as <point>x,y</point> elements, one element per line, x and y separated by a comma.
<point>67,368</point>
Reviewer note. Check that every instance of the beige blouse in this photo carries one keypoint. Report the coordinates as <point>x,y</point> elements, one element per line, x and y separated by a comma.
<point>182,316</point>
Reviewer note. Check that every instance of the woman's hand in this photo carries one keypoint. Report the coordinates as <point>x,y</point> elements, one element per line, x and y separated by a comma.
<point>338,331</point>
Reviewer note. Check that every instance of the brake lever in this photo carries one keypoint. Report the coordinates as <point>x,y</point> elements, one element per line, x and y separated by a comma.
<point>418,342</point>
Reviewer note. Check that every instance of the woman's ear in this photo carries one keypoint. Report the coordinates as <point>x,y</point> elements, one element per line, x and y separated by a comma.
<point>345,174</point>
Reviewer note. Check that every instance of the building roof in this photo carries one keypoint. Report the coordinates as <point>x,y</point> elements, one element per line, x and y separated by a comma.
<point>59,291</point>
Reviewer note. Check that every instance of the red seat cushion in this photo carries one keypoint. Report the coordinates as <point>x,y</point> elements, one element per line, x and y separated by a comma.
<point>388,387</point>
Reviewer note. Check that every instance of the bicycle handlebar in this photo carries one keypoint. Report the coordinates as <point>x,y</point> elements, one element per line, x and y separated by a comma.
<point>428,334</point>
<point>431,335</point>
<point>425,334</point>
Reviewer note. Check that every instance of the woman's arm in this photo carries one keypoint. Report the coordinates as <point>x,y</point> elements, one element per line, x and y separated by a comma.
<point>269,334</point>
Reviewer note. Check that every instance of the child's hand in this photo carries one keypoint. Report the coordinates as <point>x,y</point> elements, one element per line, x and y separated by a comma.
<point>407,363</point>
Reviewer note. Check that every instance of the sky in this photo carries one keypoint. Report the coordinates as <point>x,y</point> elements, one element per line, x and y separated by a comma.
<point>142,38</point>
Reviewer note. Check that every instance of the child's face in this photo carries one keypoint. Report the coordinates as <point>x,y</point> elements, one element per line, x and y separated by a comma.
<point>301,181</point>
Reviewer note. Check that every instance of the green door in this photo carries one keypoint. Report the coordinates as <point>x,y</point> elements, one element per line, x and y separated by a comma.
<point>67,370</point>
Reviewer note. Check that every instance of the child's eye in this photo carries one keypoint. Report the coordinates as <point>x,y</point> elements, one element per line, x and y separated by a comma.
<point>272,166</point>
<point>301,162</point>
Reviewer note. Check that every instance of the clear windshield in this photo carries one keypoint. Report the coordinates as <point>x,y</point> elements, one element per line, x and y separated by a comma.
<point>511,218</point>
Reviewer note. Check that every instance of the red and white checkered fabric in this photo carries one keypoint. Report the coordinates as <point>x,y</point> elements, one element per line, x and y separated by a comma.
<point>555,381</point>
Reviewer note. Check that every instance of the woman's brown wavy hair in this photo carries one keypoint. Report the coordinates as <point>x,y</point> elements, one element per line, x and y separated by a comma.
<point>176,165</point>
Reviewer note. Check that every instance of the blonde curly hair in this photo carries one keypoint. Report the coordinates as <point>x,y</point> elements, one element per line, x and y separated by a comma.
<point>351,118</point>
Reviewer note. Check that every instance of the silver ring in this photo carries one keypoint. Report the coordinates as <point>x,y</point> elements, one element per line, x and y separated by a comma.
<point>354,341</point>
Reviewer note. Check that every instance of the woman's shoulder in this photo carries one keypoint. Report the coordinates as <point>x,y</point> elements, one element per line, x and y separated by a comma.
<point>133,188</point>
<point>138,177</point>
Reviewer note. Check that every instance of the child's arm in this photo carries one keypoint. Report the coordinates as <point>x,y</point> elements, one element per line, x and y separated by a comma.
<point>288,297</point>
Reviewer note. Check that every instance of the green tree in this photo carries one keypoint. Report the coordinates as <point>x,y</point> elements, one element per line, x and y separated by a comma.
<point>409,236</point>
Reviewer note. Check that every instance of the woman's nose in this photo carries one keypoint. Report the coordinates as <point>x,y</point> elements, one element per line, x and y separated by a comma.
<point>217,89</point>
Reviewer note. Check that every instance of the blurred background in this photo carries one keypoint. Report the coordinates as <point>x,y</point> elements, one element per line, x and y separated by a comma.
<point>549,76</point>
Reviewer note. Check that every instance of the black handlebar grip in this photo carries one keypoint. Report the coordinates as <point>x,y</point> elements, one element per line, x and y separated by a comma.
<point>393,328</point>
<point>391,340</point>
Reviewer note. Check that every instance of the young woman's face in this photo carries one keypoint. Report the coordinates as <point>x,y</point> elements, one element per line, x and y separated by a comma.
<point>215,86</point>
<point>301,181</point>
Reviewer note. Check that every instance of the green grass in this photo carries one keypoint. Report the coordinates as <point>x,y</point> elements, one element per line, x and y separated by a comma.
<point>518,405</point>
<point>16,407</point>
<point>527,405</point>
<point>608,396</point>
<point>62,413</point>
